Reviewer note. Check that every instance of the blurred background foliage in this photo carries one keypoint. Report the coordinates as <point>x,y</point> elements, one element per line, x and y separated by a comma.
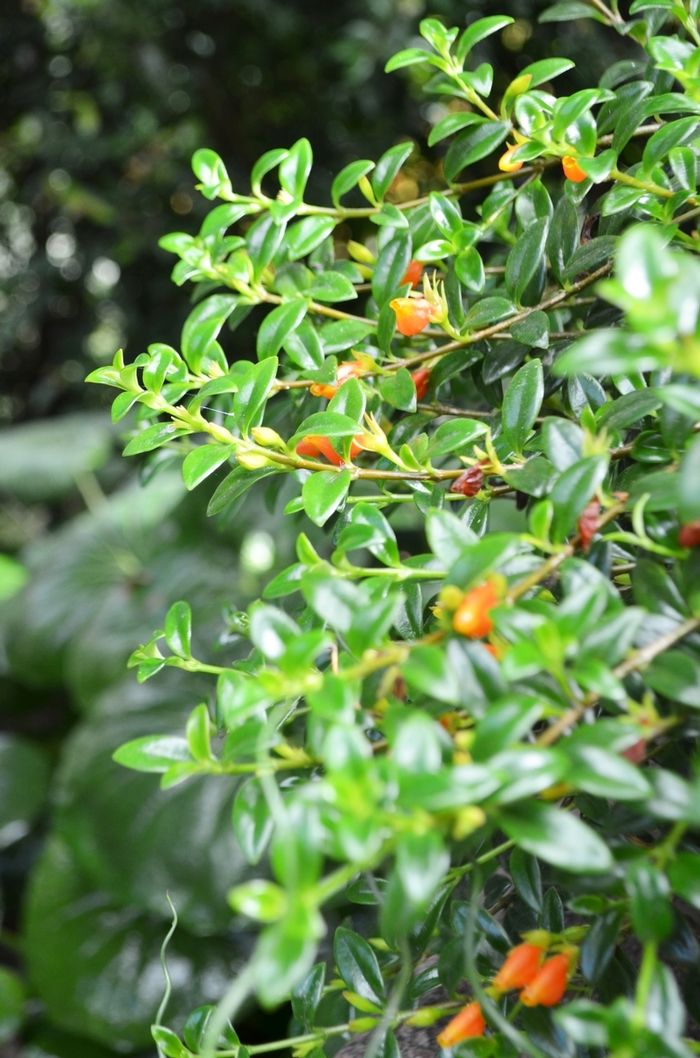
<point>104,102</point>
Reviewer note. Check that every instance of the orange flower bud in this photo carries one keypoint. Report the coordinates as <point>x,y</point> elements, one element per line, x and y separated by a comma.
<point>572,170</point>
<point>315,445</point>
<point>321,389</point>
<point>470,482</point>
<point>412,315</point>
<point>520,968</point>
<point>413,274</point>
<point>506,163</point>
<point>472,615</point>
<point>421,380</point>
<point>468,1024</point>
<point>588,524</point>
<point>549,986</point>
<point>689,536</point>
<point>345,371</point>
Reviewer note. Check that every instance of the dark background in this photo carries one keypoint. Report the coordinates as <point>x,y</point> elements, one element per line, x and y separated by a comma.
<point>103,103</point>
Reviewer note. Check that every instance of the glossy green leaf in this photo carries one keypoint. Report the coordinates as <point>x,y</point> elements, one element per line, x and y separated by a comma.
<point>357,965</point>
<point>525,258</point>
<point>472,145</point>
<point>522,403</point>
<point>323,493</point>
<point>557,837</point>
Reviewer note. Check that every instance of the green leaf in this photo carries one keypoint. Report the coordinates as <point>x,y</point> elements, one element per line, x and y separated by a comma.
<point>252,822</point>
<point>526,258</point>
<point>209,168</point>
<point>447,535</point>
<point>479,30</point>
<point>295,168</point>
<point>234,485</point>
<point>12,1000</point>
<point>650,909</point>
<point>676,675</point>
<point>525,873</point>
<point>522,403</point>
<point>331,287</point>
<point>563,442</point>
<point>285,953</point>
<point>573,490</point>
<point>343,334</point>
<point>203,461</point>
<point>557,837</point>
<point>388,167</point>
<point>259,899</point>
<point>195,1028</point>
<point>178,629</point>
<point>328,424</point>
<point>428,670</point>
<point>473,145</point>
<point>487,311</point>
<point>399,390</point>
<point>153,437</point>
<point>254,389</point>
<point>661,143</point>
<point>357,965</point>
<point>533,330</point>
<point>505,724</point>
<point>628,409</point>
<point>562,238</point>
<point>407,57</point>
<point>306,235</point>
<point>604,774</point>
<point>394,258</point>
<point>238,696</point>
<point>168,1043</point>
<point>455,436</point>
<point>278,325</point>
<point>348,178</point>
<point>201,329</point>
<point>307,996</point>
<point>13,577</point>
<point>303,346</point>
<point>420,865</point>
<point>198,733</point>
<point>24,782</point>
<point>447,126</point>
<point>481,558</point>
<point>265,164</point>
<point>684,875</point>
<point>323,492</point>
<point>689,484</point>
<point>599,945</point>
<point>153,753</point>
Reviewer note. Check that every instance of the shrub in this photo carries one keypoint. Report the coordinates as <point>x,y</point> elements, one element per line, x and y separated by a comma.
<point>488,747</point>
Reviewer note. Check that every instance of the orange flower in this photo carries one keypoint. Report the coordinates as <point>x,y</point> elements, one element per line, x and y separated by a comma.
<point>413,314</point>
<point>315,445</point>
<point>421,379</point>
<point>520,968</point>
<point>472,615</point>
<point>470,482</point>
<point>413,274</point>
<point>506,163</point>
<point>689,536</point>
<point>588,524</point>
<point>468,1024</point>
<point>549,986</point>
<point>572,170</point>
<point>345,371</point>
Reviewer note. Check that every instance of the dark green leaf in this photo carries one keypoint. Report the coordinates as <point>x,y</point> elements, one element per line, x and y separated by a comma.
<point>357,965</point>
<point>277,325</point>
<point>474,144</point>
<point>522,403</point>
<point>525,258</point>
<point>252,822</point>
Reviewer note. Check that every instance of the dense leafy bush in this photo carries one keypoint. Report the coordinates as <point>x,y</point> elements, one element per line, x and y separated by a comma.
<point>489,739</point>
<point>492,739</point>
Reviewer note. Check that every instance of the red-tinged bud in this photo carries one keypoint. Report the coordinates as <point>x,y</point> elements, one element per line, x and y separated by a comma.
<point>421,380</point>
<point>467,1025</point>
<point>412,315</point>
<point>548,987</point>
<point>520,968</point>
<point>472,615</point>
<point>588,524</point>
<point>413,274</point>
<point>572,170</point>
<point>689,536</point>
<point>636,753</point>
<point>470,482</point>
<point>506,163</point>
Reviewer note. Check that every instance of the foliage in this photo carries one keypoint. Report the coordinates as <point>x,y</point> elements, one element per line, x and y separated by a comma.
<point>505,721</point>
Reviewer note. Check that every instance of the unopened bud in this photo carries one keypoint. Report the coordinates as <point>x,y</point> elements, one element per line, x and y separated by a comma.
<point>253,461</point>
<point>359,252</point>
<point>266,437</point>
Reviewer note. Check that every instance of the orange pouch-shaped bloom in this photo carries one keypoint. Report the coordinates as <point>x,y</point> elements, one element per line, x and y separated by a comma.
<point>468,1024</point>
<point>548,987</point>
<point>412,315</point>
<point>520,968</point>
<point>472,615</point>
